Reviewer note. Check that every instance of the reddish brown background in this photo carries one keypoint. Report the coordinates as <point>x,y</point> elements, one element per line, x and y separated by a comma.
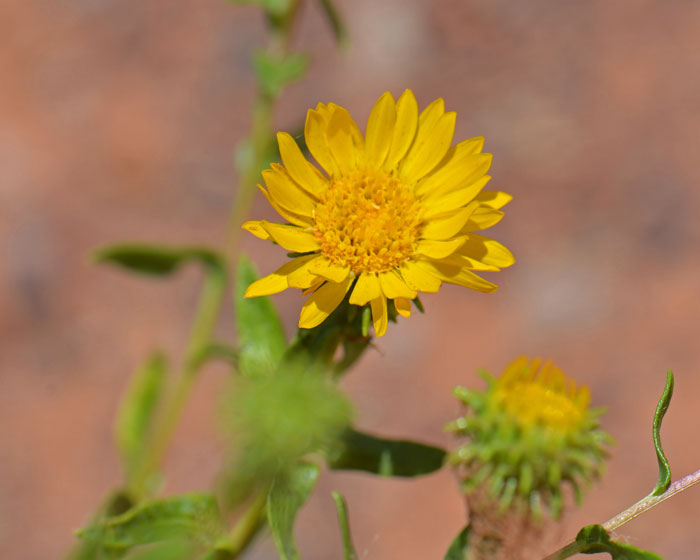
<point>118,120</point>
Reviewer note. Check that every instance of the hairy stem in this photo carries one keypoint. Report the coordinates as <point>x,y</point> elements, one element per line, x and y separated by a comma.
<point>630,513</point>
<point>651,501</point>
<point>200,336</point>
<point>245,529</point>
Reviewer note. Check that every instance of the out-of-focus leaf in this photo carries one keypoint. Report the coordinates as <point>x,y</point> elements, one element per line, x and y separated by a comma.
<point>275,72</point>
<point>116,503</point>
<point>460,545</point>
<point>137,409</point>
<point>336,22</point>
<point>385,457</point>
<point>594,539</point>
<point>155,260</point>
<point>661,408</point>
<point>275,8</point>
<point>167,550</point>
<point>191,517</point>
<point>289,492</point>
<point>260,333</point>
<point>342,507</point>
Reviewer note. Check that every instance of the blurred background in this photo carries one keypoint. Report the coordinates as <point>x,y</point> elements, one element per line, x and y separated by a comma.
<point>118,120</point>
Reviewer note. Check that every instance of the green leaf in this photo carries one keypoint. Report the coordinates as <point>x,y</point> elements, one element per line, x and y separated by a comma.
<point>342,507</point>
<point>661,408</point>
<point>275,71</point>
<point>289,492</point>
<point>460,545</point>
<point>261,336</point>
<point>155,260</point>
<point>385,457</point>
<point>167,550</point>
<point>594,539</point>
<point>137,409</point>
<point>116,503</point>
<point>192,517</point>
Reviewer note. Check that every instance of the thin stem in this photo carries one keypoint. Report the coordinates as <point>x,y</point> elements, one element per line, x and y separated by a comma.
<point>260,137</point>
<point>630,513</point>
<point>259,143</point>
<point>205,320</point>
<point>651,501</point>
<point>246,528</point>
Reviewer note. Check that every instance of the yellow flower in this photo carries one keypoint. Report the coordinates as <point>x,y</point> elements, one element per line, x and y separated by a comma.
<point>394,215</point>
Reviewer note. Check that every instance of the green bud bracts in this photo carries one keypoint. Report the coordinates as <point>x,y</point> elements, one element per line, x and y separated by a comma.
<point>529,434</point>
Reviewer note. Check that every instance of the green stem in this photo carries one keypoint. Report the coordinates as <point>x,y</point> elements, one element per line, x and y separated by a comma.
<point>651,501</point>
<point>245,529</point>
<point>630,513</point>
<point>259,144</point>
<point>201,334</point>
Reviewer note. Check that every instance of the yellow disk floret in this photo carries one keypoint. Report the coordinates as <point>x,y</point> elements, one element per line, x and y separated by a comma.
<point>540,394</point>
<point>368,221</point>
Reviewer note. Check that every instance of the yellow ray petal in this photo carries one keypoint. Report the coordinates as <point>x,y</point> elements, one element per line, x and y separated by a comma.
<point>486,250</point>
<point>418,278</point>
<point>449,178</point>
<point>494,199</point>
<point>461,277</point>
<point>380,130</point>
<point>277,281</point>
<point>256,228</point>
<point>430,115</point>
<point>367,288</point>
<point>325,269</point>
<point>403,306</point>
<point>299,168</point>
<point>462,261</point>
<point>449,225</point>
<point>322,303</point>
<point>355,133</point>
<point>482,218</point>
<point>393,286</point>
<point>292,238</point>
<point>270,284</point>
<point>286,192</point>
<point>430,146</point>
<point>439,249</point>
<point>404,129</point>
<point>437,205</point>
<point>380,317</point>
<point>315,136</point>
<point>302,277</point>
<point>342,139</point>
<point>458,162</point>
<point>291,217</point>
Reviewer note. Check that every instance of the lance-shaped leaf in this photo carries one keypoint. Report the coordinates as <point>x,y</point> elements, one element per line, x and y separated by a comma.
<point>385,457</point>
<point>661,408</point>
<point>342,508</point>
<point>460,545</point>
<point>137,409</point>
<point>156,260</point>
<point>288,494</point>
<point>191,517</point>
<point>261,337</point>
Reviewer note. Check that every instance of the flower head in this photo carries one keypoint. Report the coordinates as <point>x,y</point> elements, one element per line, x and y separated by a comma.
<point>529,432</point>
<point>394,214</point>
